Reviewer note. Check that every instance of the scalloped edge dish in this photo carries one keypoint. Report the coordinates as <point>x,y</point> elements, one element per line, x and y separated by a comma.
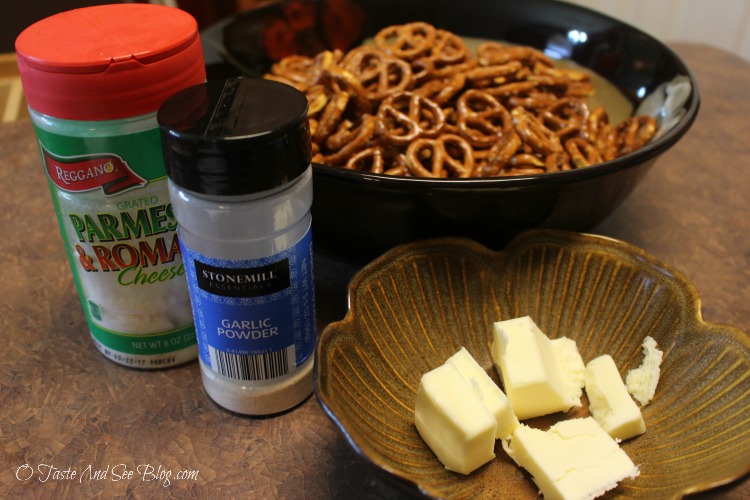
<point>415,305</point>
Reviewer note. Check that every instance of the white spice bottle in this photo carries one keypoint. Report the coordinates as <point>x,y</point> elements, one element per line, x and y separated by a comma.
<point>237,155</point>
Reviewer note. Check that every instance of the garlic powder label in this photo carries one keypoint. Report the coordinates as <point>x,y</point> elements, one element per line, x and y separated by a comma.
<point>255,319</point>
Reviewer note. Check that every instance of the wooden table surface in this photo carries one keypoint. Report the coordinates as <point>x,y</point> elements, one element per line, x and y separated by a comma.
<point>64,406</point>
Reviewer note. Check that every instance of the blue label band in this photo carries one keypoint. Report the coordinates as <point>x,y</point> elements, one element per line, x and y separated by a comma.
<point>254,319</point>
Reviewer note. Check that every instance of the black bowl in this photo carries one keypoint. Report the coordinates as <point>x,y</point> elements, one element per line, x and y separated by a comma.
<point>362,214</point>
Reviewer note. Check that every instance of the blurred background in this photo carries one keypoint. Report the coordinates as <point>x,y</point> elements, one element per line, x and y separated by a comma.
<point>720,23</point>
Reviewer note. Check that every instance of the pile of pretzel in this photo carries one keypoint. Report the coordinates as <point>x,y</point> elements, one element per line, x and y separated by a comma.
<point>418,103</point>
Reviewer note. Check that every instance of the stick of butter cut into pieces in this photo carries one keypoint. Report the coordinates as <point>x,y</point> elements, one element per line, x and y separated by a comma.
<point>642,381</point>
<point>609,401</point>
<point>535,379</point>
<point>575,459</point>
<point>492,396</point>
<point>453,420</point>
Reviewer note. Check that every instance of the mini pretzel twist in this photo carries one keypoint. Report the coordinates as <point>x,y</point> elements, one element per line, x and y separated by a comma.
<point>522,170</point>
<point>511,89</point>
<point>557,162</point>
<point>582,152</point>
<point>379,160</point>
<point>566,116</point>
<point>367,160</point>
<point>379,74</point>
<point>340,80</point>
<point>447,156</point>
<point>598,131</point>
<point>490,53</point>
<point>449,48</point>
<point>536,102</point>
<point>294,70</point>
<point>450,55</point>
<point>524,164</point>
<point>634,133</point>
<point>534,133</point>
<point>407,116</point>
<point>526,160</point>
<point>459,157</point>
<point>303,72</point>
<point>357,137</point>
<point>317,98</point>
<point>500,154</point>
<point>482,120</point>
<point>443,90</point>
<point>331,116</point>
<point>487,77</point>
<point>406,41</point>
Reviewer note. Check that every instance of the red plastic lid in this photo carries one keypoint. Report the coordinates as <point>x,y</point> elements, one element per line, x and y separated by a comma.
<point>110,61</point>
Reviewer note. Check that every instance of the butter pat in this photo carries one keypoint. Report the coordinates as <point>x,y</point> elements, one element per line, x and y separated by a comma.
<point>491,395</point>
<point>642,381</point>
<point>609,401</point>
<point>533,376</point>
<point>574,459</point>
<point>453,420</point>
<point>573,369</point>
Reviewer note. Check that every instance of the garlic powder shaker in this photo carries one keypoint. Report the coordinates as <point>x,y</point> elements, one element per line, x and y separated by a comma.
<point>238,157</point>
<point>94,79</point>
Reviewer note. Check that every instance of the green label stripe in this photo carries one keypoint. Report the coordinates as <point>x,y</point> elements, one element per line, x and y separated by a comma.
<point>147,344</point>
<point>141,150</point>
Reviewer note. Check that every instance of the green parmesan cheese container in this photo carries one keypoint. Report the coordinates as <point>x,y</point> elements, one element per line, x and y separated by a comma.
<point>94,79</point>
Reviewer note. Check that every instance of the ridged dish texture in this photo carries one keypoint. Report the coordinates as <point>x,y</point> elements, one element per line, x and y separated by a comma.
<point>418,304</point>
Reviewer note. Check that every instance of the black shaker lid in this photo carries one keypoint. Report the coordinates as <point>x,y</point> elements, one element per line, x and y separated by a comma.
<point>236,136</point>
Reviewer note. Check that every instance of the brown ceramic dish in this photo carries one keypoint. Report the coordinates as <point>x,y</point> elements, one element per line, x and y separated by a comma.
<point>413,307</point>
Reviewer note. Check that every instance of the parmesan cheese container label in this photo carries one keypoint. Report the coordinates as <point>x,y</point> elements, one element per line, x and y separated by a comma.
<point>112,203</point>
